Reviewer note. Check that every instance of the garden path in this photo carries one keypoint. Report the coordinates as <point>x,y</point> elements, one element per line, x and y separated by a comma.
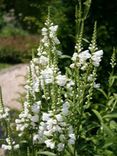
<point>12,80</point>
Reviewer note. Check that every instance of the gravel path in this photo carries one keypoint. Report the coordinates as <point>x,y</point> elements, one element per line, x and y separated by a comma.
<point>12,81</point>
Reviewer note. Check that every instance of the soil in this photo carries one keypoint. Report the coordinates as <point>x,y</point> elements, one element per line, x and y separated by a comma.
<point>2,153</point>
<point>12,81</point>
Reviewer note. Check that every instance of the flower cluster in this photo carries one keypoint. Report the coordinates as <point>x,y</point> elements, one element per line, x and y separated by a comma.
<point>10,144</point>
<point>52,112</point>
<point>39,115</point>
<point>4,113</point>
<point>54,125</point>
<point>80,59</point>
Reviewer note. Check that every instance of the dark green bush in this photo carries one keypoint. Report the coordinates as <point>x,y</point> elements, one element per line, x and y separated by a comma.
<point>9,55</point>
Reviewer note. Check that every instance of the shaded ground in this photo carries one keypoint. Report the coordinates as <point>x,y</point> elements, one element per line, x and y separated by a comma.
<point>12,80</point>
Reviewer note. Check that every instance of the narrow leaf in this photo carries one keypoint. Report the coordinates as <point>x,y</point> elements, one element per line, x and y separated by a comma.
<point>107,130</point>
<point>98,115</point>
<point>103,92</point>
<point>114,115</point>
<point>65,56</point>
<point>70,149</point>
<point>47,153</point>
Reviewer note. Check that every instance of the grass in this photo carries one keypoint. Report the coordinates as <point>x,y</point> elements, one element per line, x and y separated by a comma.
<point>4,65</point>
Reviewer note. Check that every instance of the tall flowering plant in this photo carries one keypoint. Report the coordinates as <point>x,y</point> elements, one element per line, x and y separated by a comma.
<point>58,117</point>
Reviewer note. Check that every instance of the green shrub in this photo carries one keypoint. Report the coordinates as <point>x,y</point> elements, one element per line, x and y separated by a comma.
<point>10,30</point>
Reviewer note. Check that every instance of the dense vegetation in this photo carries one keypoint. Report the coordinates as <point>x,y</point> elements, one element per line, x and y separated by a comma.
<point>71,102</point>
<point>63,114</point>
<point>31,15</point>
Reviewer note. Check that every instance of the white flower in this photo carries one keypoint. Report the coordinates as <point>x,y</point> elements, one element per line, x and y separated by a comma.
<point>59,53</point>
<point>40,50</point>
<point>47,75</point>
<point>4,114</point>
<point>50,123</point>
<point>59,117</point>
<point>22,127</point>
<point>44,31</point>
<point>72,65</point>
<point>26,104</point>
<point>56,128</point>
<point>48,133</point>
<point>90,77</point>
<point>72,139</point>
<point>24,114</point>
<point>8,140</point>
<point>7,109</point>
<point>70,84</point>
<point>74,57</point>
<point>16,146</point>
<point>54,28</point>
<point>60,147</point>
<point>36,85</point>
<point>61,80</point>
<point>83,56</point>
<point>20,134</point>
<point>36,107</point>
<point>36,60</point>
<point>84,66</point>
<point>56,41</point>
<point>35,137</point>
<point>46,116</point>
<point>43,60</point>
<point>96,58</point>
<point>50,144</point>
<point>17,121</point>
<point>72,136</point>
<point>35,118</point>
<point>65,108</point>
<point>45,41</point>
<point>6,147</point>
<point>42,127</point>
<point>96,85</point>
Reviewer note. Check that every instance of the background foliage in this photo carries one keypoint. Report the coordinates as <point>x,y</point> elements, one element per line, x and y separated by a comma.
<point>17,16</point>
<point>32,14</point>
<point>20,20</point>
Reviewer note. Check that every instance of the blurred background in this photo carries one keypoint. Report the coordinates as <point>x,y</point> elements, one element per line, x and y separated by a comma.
<point>21,23</point>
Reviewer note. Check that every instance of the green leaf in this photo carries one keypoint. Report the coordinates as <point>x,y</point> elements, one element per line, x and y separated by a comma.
<point>103,92</point>
<point>113,115</point>
<point>107,130</point>
<point>105,127</point>
<point>87,3</point>
<point>113,124</point>
<point>108,153</point>
<point>68,71</point>
<point>65,56</point>
<point>110,102</point>
<point>84,39</point>
<point>98,115</point>
<point>108,143</point>
<point>112,80</point>
<point>70,149</point>
<point>47,153</point>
